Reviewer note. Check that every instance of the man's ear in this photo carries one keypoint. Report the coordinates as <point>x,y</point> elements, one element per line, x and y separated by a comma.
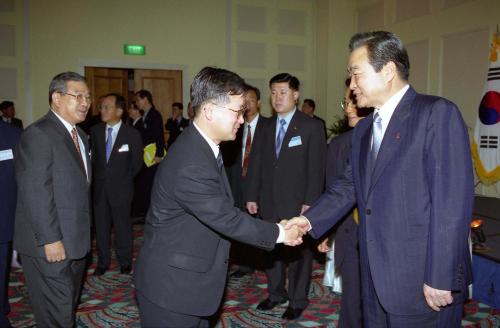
<point>120,112</point>
<point>206,110</point>
<point>296,95</point>
<point>390,71</point>
<point>56,98</point>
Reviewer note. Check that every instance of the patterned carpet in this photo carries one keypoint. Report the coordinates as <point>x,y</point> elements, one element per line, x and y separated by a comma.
<point>108,301</point>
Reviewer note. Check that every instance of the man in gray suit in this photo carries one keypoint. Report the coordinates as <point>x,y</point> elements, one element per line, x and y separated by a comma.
<point>52,229</point>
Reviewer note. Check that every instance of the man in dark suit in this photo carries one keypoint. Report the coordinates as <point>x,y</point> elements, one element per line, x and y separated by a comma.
<point>52,229</point>
<point>152,134</point>
<point>135,118</point>
<point>9,136</point>
<point>182,266</point>
<point>308,108</point>
<point>175,124</point>
<point>285,177</point>
<point>411,175</point>
<point>117,158</point>
<point>9,112</point>
<point>237,155</point>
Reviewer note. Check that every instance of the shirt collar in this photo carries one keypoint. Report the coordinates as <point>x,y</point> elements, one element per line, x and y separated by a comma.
<point>115,127</point>
<point>389,107</point>
<point>253,123</point>
<point>288,116</point>
<point>67,125</point>
<point>213,145</point>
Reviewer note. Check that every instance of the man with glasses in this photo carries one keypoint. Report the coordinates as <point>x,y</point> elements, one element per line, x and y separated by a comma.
<point>182,266</point>
<point>52,228</point>
<point>286,175</point>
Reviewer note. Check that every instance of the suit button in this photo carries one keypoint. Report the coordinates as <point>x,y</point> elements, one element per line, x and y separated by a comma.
<point>368,211</point>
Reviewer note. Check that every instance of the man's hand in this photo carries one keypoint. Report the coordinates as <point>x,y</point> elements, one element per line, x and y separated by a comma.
<point>252,207</point>
<point>300,222</point>
<point>323,247</point>
<point>437,297</point>
<point>55,252</point>
<point>157,159</point>
<point>293,236</point>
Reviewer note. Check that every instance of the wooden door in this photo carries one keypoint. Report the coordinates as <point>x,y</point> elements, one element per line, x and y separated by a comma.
<point>102,81</point>
<point>165,85</point>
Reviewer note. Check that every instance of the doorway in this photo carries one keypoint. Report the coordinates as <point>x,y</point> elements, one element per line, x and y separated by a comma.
<point>165,86</point>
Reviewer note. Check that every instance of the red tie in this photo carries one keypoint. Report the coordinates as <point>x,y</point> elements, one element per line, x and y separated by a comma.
<point>74,134</point>
<point>248,147</point>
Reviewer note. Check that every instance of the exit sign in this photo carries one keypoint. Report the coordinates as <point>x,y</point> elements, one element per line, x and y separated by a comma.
<point>134,49</point>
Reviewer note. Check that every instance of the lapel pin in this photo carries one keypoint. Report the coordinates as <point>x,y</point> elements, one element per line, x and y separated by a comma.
<point>398,135</point>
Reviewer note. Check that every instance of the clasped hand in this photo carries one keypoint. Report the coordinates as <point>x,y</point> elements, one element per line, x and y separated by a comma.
<point>295,228</point>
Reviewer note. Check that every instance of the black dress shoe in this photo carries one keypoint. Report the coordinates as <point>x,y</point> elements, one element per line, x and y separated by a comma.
<point>267,304</point>
<point>291,313</point>
<point>126,269</point>
<point>238,274</point>
<point>99,271</point>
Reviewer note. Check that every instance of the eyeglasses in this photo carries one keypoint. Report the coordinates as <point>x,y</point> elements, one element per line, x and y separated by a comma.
<point>239,112</point>
<point>79,97</point>
<point>345,104</point>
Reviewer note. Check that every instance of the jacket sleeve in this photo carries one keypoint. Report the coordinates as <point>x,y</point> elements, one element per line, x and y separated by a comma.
<point>34,172</point>
<point>450,178</point>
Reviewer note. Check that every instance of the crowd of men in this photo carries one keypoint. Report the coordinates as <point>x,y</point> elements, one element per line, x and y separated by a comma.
<point>233,175</point>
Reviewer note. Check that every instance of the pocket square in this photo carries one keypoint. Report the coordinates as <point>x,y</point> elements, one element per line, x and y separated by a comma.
<point>295,141</point>
<point>123,148</point>
<point>6,155</point>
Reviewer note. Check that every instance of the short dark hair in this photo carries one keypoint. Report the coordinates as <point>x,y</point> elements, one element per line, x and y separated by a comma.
<point>59,83</point>
<point>254,89</point>
<point>215,84</point>
<point>383,47</point>
<point>145,94</point>
<point>178,105</point>
<point>120,101</point>
<point>6,104</point>
<point>292,81</point>
<point>311,103</point>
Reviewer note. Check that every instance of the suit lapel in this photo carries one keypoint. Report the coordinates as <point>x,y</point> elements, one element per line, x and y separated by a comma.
<point>364,158</point>
<point>395,132</point>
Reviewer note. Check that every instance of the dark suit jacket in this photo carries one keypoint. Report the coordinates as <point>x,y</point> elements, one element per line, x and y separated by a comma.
<point>322,122</point>
<point>182,265</point>
<point>281,186</point>
<point>233,161</point>
<point>9,136</point>
<point>115,178</point>
<point>16,122</point>
<point>415,204</point>
<point>139,126</point>
<point>175,129</point>
<point>346,232</point>
<point>153,131</point>
<point>53,190</point>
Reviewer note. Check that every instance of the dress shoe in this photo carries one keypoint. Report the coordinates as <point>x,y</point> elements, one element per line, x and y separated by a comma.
<point>99,271</point>
<point>238,274</point>
<point>126,269</point>
<point>291,313</point>
<point>267,304</point>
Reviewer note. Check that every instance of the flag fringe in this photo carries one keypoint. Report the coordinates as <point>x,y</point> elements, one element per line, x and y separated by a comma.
<point>487,178</point>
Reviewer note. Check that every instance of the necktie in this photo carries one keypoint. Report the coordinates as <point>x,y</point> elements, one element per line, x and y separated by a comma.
<point>281,135</point>
<point>377,135</point>
<point>248,147</point>
<point>220,162</point>
<point>109,144</point>
<point>74,136</point>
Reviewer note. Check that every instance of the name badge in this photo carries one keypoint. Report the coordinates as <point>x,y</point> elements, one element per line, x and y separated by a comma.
<point>6,154</point>
<point>123,148</point>
<point>295,141</point>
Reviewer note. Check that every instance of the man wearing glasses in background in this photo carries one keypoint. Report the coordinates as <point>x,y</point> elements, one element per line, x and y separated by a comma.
<point>182,266</point>
<point>52,228</point>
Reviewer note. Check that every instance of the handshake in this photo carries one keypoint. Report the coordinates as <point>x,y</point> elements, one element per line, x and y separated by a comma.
<point>295,228</point>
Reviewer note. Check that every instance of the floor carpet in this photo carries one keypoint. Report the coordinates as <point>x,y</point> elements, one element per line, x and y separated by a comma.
<point>108,301</point>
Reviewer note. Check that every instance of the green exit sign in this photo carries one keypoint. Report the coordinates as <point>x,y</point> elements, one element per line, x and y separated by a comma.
<point>134,49</point>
